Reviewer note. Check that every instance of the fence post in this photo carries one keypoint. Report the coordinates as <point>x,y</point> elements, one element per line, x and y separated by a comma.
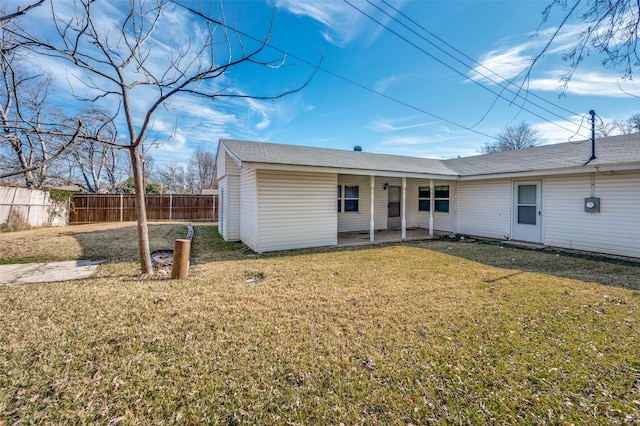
<point>180,264</point>
<point>170,205</point>
<point>121,208</point>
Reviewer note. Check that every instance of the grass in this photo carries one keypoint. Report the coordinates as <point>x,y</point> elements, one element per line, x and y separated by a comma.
<point>421,333</point>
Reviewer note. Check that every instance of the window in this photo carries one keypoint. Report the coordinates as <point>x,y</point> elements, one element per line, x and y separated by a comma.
<point>348,198</point>
<point>441,198</point>
<point>424,200</point>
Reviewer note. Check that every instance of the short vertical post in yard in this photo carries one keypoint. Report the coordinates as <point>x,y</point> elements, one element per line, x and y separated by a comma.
<point>121,208</point>
<point>170,207</point>
<point>180,264</point>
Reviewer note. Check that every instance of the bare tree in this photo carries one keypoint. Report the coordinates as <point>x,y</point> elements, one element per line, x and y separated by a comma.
<point>619,127</point>
<point>612,28</point>
<point>96,156</point>
<point>634,121</point>
<point>200,170</point>
<point>120,62</point>
<point>604,129</point>
<point>173,178</point>
<point>8,17</point>
<point>31,135</point>
<point>513,137</point>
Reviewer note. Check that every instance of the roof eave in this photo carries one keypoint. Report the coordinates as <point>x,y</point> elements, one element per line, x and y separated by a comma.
<point>597,168</point>
<point>347,171</point>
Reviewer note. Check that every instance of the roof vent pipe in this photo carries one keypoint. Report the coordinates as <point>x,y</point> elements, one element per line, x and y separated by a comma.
<point>357,148</point>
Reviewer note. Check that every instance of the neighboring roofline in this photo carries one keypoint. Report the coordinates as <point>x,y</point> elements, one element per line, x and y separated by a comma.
<point>604,168</point>
<point>349,171</point>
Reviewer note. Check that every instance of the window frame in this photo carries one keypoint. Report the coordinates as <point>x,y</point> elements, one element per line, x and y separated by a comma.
<point>437,201</point>
<point>343,199</point>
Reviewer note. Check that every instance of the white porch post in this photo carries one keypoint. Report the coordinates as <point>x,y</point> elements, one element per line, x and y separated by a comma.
<point>404,209</point>
<point>372,183</point>
<point>431,207</point>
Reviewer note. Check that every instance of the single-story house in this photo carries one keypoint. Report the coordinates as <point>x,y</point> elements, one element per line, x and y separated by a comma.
<point>278,197</point>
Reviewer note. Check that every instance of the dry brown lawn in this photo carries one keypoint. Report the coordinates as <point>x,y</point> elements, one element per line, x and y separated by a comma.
<point>422,333</point>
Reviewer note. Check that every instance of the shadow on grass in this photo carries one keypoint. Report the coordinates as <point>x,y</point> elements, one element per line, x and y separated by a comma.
<point>587,267</point>
<point>121,245</point>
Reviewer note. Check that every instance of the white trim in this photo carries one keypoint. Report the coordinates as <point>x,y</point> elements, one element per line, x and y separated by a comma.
<point>372,184</point>
<point>233,156</point>
<point>343,171</point>
<point>404,208</point>
<point>431,205</point>
<point>607,168</point>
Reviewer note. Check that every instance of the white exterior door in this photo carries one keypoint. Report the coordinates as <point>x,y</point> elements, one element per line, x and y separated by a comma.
<point>394,213</point>
<point>527,211</point>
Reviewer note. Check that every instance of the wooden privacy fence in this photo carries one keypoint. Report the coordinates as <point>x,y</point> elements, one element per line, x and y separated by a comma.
<point>89,208</point>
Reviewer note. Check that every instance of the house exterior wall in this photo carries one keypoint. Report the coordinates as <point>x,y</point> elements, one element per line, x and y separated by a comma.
<point>228,174</point>
<point>348,222</point>
<point>360,221</point>
<point>296,210</point>
<point>615,230</point>
<point>418,219</point>
<point>483,208</point>
<point>249,208</point>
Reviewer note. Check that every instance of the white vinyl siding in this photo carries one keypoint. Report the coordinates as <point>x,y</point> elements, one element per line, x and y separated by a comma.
<point>296,210</point>
<point>615,230</point>
<point>359,221</point>
<point>221,159</point>
<point>483,208</point>
<point>232,210</point>
<point>248,208</point>
<point>418,219</point>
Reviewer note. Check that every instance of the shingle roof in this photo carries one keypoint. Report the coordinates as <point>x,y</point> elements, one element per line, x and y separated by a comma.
<point>272,153</point>
<point>611,150</point>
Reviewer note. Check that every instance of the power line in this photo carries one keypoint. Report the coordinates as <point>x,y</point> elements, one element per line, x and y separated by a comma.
<point>346,79</point>
<point>510,81</point>
<point>453,69</point>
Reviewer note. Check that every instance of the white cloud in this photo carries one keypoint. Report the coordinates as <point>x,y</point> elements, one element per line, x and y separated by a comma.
<point>589,84</point>
<point>343,22</point>
<point>264,123</point>
<point>391,125</point>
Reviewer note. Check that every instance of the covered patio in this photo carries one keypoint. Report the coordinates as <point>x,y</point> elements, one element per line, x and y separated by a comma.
<point>356,238</point>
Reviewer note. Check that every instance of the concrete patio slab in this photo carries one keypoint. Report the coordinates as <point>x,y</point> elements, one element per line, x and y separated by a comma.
<point>346,239</point>
<point>30,273</point>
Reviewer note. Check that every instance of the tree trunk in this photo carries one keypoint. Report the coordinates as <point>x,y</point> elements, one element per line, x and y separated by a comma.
<point>141,213</point>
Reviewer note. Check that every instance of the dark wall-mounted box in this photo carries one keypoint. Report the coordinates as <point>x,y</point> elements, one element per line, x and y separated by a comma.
<point>592,205</point>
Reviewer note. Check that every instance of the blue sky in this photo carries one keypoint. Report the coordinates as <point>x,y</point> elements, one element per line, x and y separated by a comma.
<point>388,94</point>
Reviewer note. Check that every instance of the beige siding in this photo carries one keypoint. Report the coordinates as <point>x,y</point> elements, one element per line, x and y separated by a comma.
<point>418,219</point>
<point>296,210</point>
<point>248,208</point>
<point>484,208</point>
<point>615,230</point>
<point>360,221</point>
<point>222,208</point>
<point>231,209</point>
<point>221,160</point>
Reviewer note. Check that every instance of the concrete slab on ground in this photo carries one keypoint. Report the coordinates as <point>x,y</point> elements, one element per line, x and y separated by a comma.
<point>31,273</point>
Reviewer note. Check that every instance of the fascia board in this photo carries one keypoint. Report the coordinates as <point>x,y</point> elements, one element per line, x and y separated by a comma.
<point>551,172</point>
<point>338,170</point>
